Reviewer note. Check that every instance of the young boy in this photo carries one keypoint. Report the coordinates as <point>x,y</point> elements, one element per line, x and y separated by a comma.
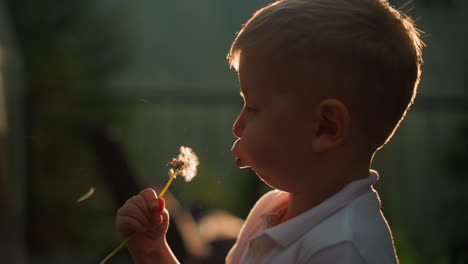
<point>325,84</point>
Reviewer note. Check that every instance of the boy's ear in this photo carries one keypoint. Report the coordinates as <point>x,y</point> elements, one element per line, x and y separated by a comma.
<point>332,125</point>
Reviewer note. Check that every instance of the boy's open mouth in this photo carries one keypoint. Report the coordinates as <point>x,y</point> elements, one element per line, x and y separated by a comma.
<point>234,153</point>
<point>238,162</point>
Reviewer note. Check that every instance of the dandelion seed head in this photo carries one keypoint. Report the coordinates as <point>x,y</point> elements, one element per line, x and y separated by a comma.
<point>185,164</point>
<point>190,160</point>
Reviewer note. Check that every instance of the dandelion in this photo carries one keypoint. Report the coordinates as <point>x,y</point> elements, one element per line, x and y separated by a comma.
<point>186,165</point>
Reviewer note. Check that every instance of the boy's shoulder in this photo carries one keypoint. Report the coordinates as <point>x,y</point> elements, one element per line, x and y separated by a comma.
<point>268,202</point>
<point>272,196</point>
<point>350,223</point>
<point>349,220</point>
<point>360,224</point>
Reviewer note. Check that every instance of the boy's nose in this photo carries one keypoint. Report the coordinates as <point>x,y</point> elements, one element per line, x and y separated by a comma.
<point>238,126</point>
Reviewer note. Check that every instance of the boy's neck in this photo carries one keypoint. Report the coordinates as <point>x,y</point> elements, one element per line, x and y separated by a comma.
<point>315,192</point>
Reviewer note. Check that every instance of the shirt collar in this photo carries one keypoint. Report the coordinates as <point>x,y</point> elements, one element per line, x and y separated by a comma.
<point>292,229</point>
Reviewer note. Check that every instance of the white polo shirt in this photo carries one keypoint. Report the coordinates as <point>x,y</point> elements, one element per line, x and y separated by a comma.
<point>348,227</point>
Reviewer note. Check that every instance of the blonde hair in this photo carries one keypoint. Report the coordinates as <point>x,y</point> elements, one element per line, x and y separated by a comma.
<point>367,47</point>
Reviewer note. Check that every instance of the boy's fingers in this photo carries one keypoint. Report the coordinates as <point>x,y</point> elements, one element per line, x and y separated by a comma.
<point>141,204</point>
<point>149,195</point>
<point>131,210</point>
<point>161,228</point>
<point>127,225</point>
<point>161,203</point>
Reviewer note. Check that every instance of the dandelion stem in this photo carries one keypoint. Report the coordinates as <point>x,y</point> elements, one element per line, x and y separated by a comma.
<point>117,249</point>
<point>168,183</point>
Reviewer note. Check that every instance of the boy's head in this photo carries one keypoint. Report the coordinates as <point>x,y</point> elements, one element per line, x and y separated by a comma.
<point>363,53</point>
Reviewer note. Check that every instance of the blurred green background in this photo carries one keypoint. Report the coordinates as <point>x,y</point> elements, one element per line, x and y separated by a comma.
<point>101,93</point>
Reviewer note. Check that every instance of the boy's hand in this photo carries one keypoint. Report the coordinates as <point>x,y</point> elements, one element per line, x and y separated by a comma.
<point>144,219</point>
